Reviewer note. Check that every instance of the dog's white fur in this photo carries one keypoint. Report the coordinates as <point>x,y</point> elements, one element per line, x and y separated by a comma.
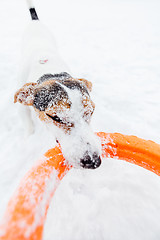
<point>40,56</point>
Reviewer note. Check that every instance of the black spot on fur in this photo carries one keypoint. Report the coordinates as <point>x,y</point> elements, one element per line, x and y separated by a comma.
<point>75,85</point>
<point>64,78</point>
<point>33,13</point>
<point>59,76</point>
<point>49,95</point>
<point>44,78</point>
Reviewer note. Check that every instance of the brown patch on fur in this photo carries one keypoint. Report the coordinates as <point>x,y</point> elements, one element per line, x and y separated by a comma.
<point>89,107</point>
<point>25,94</point>
<point>87,83</point>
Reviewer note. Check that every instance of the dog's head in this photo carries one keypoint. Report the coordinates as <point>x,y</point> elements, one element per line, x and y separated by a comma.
<point>65,102</point>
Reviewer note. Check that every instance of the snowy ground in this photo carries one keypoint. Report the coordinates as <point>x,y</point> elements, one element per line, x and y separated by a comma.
<point>116,45</point>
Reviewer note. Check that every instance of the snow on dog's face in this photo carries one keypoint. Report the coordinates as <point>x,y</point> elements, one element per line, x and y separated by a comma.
<point>64,102</point>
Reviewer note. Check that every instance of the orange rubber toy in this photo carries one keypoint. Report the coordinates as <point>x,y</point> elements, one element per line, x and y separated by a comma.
<point>144,153</point>
<point>27,209</point>
<point>26,212</point>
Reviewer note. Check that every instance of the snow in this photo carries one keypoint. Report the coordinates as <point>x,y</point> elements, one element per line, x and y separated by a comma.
<point>116,45</point>
<point>80,140</point>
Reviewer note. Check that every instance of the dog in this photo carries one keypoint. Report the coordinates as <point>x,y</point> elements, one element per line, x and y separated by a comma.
<point>60,101</point>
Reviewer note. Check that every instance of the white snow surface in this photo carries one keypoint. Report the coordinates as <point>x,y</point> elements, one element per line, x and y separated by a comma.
<point>116,45</point>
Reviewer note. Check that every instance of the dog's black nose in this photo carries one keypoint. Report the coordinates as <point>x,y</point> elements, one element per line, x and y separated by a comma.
<point>90,161</point>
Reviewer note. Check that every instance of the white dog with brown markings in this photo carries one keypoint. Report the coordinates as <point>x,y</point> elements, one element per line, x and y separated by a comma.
<point>58,99</point>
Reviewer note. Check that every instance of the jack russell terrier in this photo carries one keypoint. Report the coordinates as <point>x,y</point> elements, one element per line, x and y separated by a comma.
<point>58,99</point>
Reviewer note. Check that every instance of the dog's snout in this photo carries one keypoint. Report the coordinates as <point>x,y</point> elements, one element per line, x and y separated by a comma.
<point>90,161</point>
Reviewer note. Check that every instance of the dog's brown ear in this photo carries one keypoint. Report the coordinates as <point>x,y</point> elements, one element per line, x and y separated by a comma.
<point>25,95</point>
<point>87,83</point>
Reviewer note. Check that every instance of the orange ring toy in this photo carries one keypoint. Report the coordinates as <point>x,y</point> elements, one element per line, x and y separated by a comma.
<point>144,153</point>
<point>26,212</point>
<point>27,209</point>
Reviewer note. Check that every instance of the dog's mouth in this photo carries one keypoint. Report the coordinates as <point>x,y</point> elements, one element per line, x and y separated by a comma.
<point>59,120</point>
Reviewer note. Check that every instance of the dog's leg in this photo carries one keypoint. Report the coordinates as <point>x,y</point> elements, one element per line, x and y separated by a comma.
<point>26,119</point>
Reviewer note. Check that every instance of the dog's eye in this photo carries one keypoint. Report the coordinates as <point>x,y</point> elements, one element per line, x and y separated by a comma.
<point>57,119</point>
